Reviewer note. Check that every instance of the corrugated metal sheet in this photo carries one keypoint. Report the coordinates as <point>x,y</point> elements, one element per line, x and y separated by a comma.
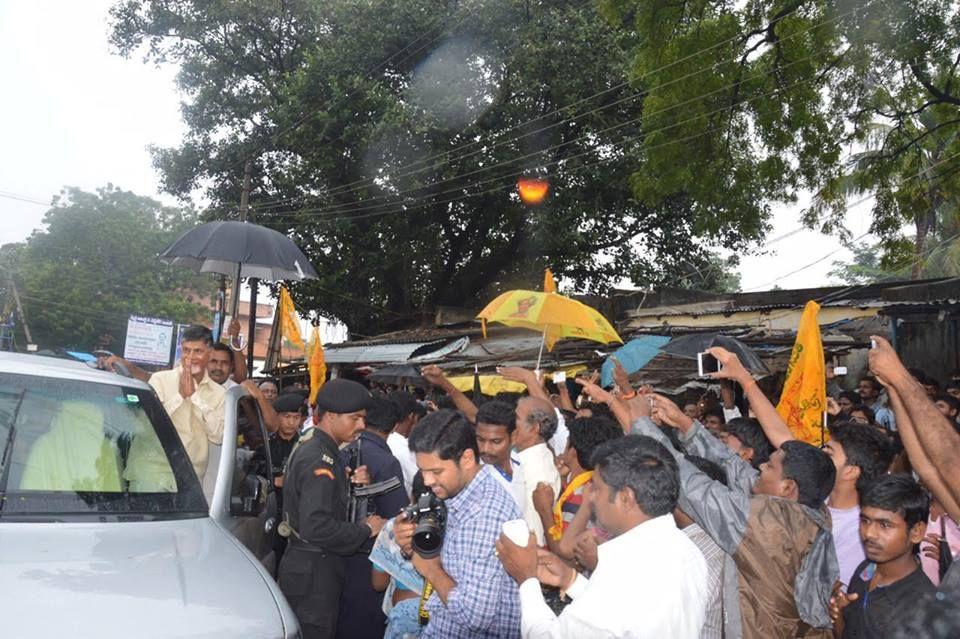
<point>727,308</point>
<point>420,352</point>
<point>374,354</point>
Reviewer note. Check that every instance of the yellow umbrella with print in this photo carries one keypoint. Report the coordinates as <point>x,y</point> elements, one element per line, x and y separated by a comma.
<point>549,313</point>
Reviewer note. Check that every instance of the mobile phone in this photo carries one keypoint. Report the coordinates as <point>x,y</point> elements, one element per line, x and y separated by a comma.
<point>706,364</point>
<point>839,370</point>
<point>559,377</point>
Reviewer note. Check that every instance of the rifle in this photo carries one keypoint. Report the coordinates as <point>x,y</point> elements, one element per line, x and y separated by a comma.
<point>359,505</point>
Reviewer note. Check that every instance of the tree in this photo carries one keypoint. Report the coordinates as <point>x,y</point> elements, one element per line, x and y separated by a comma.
<point>896,259</point>
<point>94,264</point>
<point>913,188</point>
<point>387,139</point>
<point>769,95</point>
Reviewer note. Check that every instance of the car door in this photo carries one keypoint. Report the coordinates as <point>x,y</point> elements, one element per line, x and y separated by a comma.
<point>244,499</point>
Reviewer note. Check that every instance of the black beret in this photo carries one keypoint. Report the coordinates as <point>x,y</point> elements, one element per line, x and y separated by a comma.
<point>288,403</point>
<point>343,396</point>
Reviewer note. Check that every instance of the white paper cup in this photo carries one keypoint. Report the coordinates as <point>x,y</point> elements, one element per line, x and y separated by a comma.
<point>517,531</point>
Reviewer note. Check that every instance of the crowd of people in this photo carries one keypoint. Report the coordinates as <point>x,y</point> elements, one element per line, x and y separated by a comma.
<point>644,518</point>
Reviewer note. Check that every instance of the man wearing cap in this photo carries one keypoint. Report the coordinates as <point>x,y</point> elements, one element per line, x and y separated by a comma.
<point>315,499</point>
<point>290,410</point>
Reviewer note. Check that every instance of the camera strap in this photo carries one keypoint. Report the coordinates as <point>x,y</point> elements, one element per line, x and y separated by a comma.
<point>422,615</point>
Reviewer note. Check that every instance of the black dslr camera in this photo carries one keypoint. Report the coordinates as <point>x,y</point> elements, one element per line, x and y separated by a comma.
<point>430,515</point>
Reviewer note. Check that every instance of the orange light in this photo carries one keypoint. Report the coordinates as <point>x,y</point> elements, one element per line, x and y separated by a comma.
<point>532,190</point>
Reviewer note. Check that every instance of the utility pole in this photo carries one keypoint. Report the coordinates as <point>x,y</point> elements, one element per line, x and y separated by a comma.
<point>252,282</point>
<point>23,318</point>
<point>245,193</point>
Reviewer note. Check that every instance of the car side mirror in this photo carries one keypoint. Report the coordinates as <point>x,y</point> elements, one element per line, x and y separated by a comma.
<point>251,498</point>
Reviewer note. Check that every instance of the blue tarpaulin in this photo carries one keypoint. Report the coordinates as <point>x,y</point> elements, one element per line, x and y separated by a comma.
<point>84,357</point>
<point>634,355</point>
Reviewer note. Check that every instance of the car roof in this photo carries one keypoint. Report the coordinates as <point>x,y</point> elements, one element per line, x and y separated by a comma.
<point>42,366</point>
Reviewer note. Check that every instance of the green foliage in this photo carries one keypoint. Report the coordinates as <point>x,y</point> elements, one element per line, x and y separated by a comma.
<point>95,263</point>
<point>387,139</point>
<point>896,259</point>
<point>762,98</point>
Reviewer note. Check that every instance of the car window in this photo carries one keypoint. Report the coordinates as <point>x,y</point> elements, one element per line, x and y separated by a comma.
<point>74,448</point>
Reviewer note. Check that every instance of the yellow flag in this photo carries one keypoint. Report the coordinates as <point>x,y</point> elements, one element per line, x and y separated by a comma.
<point>550,336</point>
<point>804,397</point>
<point>549,284</point>
<point>288,319</point>
<point>316,364</point>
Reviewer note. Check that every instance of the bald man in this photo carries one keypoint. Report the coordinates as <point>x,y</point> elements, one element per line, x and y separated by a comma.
<point>536,424</point>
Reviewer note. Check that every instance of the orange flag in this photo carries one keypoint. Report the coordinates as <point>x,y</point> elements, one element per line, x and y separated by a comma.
<point>317,365</point>
<point>551,337</point>
<point>288,319</point>
<point>549,284</point>
<point>804,397</point>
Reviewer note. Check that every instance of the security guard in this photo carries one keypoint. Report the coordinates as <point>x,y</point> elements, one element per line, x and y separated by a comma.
<point>291,410</point>
<point>315,497</point>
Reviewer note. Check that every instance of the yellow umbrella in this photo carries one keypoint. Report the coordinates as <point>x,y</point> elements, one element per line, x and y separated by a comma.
<point>493,384</point>
<point>549,313</point>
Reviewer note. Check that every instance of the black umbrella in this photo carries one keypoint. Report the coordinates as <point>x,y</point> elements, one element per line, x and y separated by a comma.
<point>689,345</point>
<point>222,247</point>
<point>398,375</point>
<point>239,249</point>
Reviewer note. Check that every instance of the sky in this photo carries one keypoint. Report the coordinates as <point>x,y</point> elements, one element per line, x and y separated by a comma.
<point>76,114</point>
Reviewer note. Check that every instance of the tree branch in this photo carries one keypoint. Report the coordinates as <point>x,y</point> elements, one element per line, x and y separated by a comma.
<point>942,96</point>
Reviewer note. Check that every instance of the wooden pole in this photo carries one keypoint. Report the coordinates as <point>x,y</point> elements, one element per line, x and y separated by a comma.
<point>23,318</point>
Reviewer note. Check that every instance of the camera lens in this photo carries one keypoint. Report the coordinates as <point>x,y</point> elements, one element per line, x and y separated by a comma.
<point>428,538</point>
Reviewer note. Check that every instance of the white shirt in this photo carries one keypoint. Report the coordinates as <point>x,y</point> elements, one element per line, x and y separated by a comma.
<point>408,460</point>
<point>846,540</point>
<point>536,464</point>
<point>559,440</point>
<point>731,413</point>
<point>227,385</point>
<point>716,558</point>
<point>507,482</point>
<point>650,583</point>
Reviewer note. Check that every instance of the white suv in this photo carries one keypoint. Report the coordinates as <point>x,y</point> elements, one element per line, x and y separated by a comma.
<point>104,528</point>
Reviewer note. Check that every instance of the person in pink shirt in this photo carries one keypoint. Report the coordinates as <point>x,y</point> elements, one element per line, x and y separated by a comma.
<point>940,524</point>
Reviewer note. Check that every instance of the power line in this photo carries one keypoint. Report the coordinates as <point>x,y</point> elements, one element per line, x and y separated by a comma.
<point>340,190</point>
<point>24,198</point>
<point>405,207</point>
<point>860,237</point>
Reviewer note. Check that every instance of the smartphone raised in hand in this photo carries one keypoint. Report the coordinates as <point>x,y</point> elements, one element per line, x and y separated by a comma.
<point>706,364</point>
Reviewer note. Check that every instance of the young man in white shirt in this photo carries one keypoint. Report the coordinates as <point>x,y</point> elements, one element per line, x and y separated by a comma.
<point>494,428</point>
<point>536,424</point>
<point>650,580</point>
<point>397,439</point>
<point>860,453</point>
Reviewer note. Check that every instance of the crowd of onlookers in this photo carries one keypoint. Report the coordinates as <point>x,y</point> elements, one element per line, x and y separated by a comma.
<point>645,518</point>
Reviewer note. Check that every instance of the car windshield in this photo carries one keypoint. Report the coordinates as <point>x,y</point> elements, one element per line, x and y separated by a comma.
<point>75,449</point>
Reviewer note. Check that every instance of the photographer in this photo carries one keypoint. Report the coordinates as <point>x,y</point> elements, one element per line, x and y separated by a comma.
<point>472,594</point>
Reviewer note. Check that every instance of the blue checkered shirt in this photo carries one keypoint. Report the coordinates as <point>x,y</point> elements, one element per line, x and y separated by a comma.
<point>486,600</point>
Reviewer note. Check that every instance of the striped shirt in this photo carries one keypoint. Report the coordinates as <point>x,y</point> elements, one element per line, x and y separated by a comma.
<point>713,620</point>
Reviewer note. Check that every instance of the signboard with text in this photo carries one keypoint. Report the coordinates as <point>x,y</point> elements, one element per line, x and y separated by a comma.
<point>148,340</point>
<point>180,329</point>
